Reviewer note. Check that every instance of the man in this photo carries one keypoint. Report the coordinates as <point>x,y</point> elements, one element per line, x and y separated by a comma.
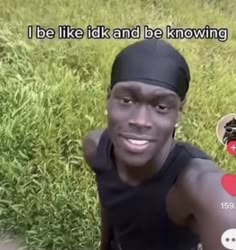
<point>155,193</point>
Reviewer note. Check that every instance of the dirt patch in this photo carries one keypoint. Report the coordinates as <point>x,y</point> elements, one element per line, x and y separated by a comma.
<point>8,242</point>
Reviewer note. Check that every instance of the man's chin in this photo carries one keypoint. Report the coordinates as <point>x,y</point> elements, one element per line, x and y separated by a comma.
<point>134,161</point>
<point>133,158</point>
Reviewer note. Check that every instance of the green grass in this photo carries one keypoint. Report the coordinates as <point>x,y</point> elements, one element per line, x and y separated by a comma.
<point>53,92</point>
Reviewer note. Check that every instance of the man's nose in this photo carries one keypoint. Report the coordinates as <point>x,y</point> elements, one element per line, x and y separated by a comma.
<point>140,118</point>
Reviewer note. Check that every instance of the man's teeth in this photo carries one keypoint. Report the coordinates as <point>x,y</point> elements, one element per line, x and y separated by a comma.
<point>138,142</point>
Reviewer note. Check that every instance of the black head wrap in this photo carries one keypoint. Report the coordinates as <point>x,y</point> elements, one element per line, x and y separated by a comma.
<point>152,62</point>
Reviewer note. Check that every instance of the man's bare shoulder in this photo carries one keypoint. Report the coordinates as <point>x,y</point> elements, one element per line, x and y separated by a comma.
<point>89,145</point>
<point>94,135</point>
<point>190,181</point>
<point>200,183</point>
<point>198,171</point>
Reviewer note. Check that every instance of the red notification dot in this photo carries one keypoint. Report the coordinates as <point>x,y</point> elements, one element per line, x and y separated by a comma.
<point>231,147</point>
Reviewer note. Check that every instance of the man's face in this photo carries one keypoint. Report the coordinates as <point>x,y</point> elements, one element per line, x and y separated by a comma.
<point>141,119</point>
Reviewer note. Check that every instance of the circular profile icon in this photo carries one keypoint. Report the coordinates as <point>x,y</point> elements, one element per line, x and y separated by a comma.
<point>226,132</point>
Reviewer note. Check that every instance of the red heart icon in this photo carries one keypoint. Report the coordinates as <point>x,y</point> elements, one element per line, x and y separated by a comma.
<point>228,182</point>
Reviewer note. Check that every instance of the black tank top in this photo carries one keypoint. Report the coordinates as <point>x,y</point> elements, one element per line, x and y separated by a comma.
<point>138,214</point>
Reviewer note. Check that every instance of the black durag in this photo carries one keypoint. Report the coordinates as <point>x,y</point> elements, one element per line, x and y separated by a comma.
<point>153,62</point>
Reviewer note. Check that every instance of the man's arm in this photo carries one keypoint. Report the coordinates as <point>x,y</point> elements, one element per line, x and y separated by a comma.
<point>90,144</point>
<point>209,204</point>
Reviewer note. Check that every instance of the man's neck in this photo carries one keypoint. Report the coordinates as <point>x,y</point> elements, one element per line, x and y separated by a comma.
<point>135,176</point>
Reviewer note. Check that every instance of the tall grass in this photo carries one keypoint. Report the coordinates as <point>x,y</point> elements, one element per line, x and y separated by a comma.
<point>52,92</point>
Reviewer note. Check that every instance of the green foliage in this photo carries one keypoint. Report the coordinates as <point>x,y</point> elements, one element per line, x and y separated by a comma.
<point>53,92</point>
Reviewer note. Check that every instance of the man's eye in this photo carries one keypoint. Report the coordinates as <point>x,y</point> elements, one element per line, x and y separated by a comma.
<point>126,100</point>
<point>162,107</point>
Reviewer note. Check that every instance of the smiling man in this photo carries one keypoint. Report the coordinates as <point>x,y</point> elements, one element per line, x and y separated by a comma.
<point>155,193</point>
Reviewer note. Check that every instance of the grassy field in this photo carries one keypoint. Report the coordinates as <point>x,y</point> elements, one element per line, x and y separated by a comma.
<point>52,92</point>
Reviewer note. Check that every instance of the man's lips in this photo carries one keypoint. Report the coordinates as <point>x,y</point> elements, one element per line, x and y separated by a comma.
<point>137,137</point>
<point>136,143</point>
<point>134,146</point>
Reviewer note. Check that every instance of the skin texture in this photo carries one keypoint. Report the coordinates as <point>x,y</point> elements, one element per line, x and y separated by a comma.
<point>195,200</point>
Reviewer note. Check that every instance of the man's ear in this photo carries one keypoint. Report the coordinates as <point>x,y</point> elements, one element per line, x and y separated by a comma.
<point>108,97</point>
<point>182,105</point>
<point>180,112</point>
<point>179,118</point>
<point>108,93</point>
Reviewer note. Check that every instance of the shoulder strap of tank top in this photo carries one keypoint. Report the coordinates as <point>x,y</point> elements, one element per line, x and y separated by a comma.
<point>179,159</point>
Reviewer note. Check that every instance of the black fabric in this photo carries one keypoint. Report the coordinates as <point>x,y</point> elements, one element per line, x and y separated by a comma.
<point>138,214</point>
<point>153,62</point>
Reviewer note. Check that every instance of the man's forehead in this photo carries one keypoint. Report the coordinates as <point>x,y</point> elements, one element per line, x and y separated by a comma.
<point>139,87</point>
